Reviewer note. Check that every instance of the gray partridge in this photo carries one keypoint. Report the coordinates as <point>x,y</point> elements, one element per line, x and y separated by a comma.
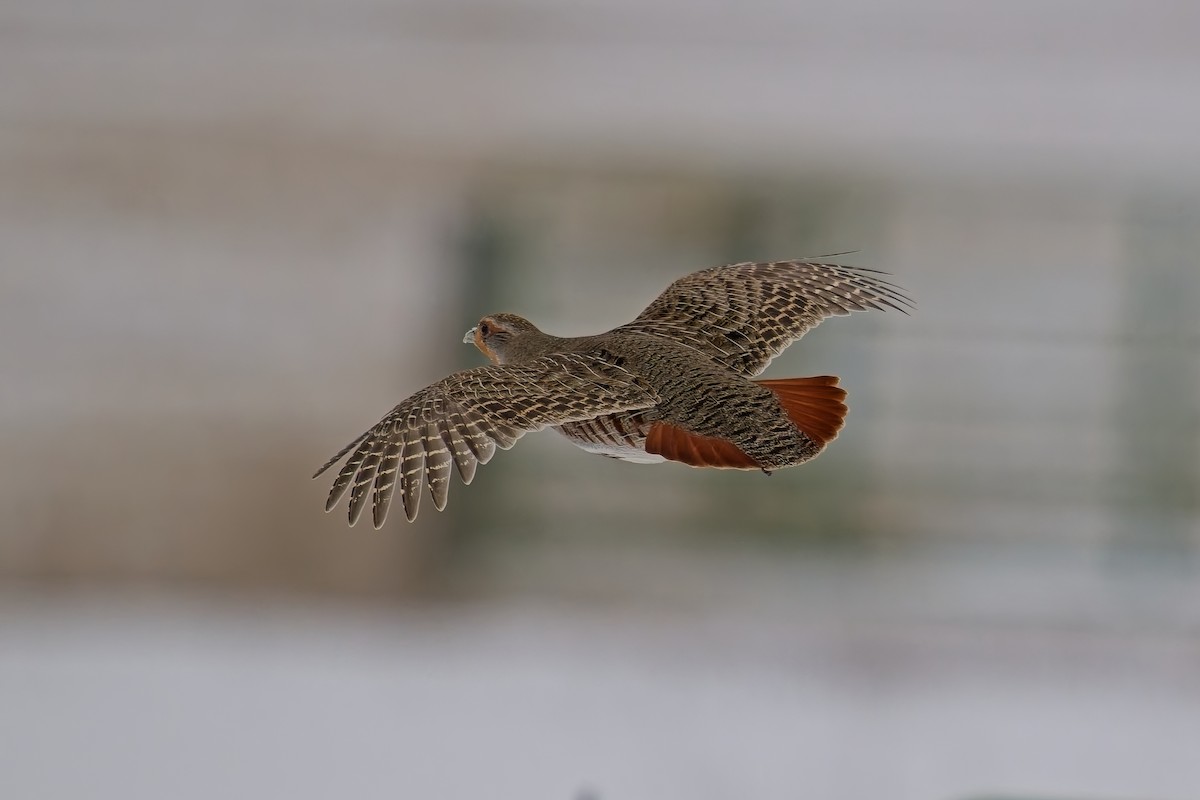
<point>673,385</point>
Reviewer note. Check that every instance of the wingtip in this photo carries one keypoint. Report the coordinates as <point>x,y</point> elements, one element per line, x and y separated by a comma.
<point>354,512</point>
<point>341,453</point>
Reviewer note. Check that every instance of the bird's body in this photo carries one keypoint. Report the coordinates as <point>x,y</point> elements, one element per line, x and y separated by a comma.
<point>694,394</point>
<point>673,385</point>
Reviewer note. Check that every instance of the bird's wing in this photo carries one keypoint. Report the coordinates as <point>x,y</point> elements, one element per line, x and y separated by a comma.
<point>743,315</point>
<point>462,419</point>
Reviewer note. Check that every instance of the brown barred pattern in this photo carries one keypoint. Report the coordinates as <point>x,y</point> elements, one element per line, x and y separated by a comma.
<point>462,419</point>
<point>743,315</point>
<point>624,431</point>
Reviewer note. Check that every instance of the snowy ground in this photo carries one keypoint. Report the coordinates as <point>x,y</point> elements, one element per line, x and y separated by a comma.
<point>132,696</point>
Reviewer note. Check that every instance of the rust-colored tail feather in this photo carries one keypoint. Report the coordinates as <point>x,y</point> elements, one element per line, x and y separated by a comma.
<point>815,405</point>
<point>676,444</point>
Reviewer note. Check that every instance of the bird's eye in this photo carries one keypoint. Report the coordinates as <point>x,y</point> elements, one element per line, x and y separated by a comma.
<point>485,330</point>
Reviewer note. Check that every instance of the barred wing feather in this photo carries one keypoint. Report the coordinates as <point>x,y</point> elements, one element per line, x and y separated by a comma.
<point>743,315</point>
<point>461,420</point>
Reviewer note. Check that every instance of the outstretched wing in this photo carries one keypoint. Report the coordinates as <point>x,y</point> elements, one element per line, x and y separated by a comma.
<point>743,315</point>
<point>462,419</point>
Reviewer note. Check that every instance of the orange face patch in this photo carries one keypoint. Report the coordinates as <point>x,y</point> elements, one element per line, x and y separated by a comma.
<point>483,348</point>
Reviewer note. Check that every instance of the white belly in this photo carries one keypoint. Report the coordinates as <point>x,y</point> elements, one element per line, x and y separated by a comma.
<point>616,451</point>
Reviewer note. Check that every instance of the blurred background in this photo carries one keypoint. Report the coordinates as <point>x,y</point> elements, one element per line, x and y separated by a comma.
<point>233,235</point>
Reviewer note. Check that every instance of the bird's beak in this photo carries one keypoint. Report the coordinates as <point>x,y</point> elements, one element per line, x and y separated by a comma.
<point>469,337</point>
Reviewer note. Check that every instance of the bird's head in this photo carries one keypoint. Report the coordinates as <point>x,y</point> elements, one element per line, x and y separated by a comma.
<point>500,336</point>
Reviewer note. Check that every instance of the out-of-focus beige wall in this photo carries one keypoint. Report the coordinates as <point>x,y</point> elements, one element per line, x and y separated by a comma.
<point>231,241</point>
<point>182,309</point>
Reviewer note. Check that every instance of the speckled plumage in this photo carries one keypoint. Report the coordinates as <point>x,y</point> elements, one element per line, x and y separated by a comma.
<point>673,384</point>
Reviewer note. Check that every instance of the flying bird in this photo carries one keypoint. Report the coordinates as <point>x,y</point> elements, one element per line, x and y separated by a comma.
<point>675,384</point>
